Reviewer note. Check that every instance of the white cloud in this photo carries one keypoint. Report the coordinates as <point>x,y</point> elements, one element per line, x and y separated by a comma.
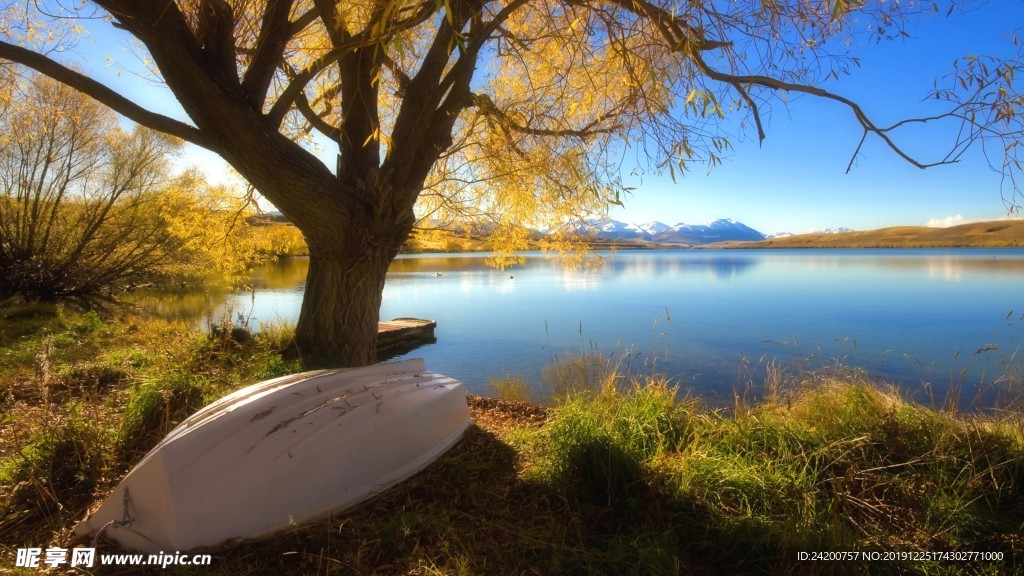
<point>959,219</point>
<point>946,222</point>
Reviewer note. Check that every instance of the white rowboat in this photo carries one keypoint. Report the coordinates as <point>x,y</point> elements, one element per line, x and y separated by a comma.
<point>283,452</point>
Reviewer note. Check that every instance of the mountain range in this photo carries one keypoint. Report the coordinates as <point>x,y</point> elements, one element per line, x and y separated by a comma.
<point>681,233</point>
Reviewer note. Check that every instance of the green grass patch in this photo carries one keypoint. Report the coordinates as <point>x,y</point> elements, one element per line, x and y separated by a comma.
<point>599,444</point>
<point>154,408</point>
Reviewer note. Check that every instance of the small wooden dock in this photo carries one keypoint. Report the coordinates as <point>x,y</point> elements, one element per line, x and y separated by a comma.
<point>403,335</point>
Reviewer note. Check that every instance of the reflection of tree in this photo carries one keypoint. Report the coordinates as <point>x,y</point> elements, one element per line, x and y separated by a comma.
<point>442,264</point>
<point>187,305</point>
<point>284,274</point>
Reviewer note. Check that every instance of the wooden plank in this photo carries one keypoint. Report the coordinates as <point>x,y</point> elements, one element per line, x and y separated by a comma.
<point>403,335</point>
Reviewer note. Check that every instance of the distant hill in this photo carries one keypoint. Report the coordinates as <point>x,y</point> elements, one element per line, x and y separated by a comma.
<point>1000,233</point>
<point>821,231</point>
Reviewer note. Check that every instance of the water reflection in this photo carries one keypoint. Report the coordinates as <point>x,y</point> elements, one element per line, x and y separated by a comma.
<point>945,263</point>
<point>284,274</point>
<point>694,314</point>
<point>715,265</point>
<point>191,306</point>
<point>611,266</point>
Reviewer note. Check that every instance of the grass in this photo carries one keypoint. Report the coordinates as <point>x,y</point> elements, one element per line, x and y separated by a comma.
<point>83,397</point>
<point>618,475</point>
<point>55,473</point>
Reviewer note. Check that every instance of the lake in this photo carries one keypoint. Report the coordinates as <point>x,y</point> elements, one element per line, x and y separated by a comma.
<point>925,319</point>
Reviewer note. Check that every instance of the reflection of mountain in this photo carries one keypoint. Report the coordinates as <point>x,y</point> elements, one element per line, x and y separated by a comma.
<point>468,271</point>
<point>643,266</point>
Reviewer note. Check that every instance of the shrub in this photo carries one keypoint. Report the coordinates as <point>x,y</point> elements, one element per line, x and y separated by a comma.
<point>101,213</point>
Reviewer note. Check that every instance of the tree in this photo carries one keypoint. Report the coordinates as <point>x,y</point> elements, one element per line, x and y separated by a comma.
<point>517,109</point>
<point>88,210</point>
<point>79,212</point>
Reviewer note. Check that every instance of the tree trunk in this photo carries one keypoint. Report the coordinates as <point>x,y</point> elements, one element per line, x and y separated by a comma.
<point>347,265</point>
<point>341,307</point>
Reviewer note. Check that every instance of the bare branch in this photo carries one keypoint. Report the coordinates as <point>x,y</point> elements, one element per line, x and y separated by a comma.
<point>753,110</point>
<point>105,95</point>
<point>776,84</point>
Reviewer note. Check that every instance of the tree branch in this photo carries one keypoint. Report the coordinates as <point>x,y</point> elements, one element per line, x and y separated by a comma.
<point>217,30</point>
<point>342,43</point>
<point>753,109</point>
<point>689,40</point>
<point>322,126</point>
<point>273,37</point>
<point>424,91</point>
<point>301,22</point>
<point>298,83</point>
<point>400,76</point>
<point>105,95</point>
<point>488,108</point>
<point>776,84</point>
<point>681,35</point>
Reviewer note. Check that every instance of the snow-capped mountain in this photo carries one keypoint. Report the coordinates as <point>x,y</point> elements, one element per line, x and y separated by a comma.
<point>779,235</point>
<point>614,230</point>
<point>718,231</point>
<point>681,233</point>
<point>651,228</point>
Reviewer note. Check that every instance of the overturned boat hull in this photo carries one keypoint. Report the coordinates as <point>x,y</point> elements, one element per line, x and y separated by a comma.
<point>281,453</point>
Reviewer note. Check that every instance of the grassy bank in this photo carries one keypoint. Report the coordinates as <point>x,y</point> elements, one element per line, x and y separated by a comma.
<point>996,234</point>
<point>617,476</point>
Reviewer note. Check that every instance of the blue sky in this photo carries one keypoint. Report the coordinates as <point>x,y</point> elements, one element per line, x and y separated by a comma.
<point>795,181</point>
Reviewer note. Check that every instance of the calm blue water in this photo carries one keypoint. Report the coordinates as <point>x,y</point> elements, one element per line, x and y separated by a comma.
<point>707,318</point>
